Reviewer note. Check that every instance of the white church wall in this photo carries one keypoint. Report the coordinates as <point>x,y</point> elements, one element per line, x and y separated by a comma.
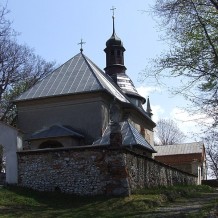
<point>12,142</point>
<point>79,113</point>
<point>141,125</point>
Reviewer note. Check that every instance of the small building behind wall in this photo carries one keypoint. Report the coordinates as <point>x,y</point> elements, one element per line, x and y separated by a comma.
<point>11,141</point>
<point>188,157</point>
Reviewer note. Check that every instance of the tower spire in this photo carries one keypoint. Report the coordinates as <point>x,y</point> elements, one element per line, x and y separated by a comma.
<point>114,53</point>
<point>149,111</point>
<point>113,17</point>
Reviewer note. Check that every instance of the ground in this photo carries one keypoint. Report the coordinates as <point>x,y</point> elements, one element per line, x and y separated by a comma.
<point>194,201</point>
<point>204,206</point>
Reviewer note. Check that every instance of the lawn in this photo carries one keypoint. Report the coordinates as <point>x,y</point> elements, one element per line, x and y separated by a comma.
<point>20,202</point>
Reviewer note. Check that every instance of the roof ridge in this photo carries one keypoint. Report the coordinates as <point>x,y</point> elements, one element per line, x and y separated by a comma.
<point>87,61</point>
<point>140,135</point>
<point>181,144</point>
<point>108,78</point>
<point>65,131</point>
<point>130,127</point>
<point>40,80</point>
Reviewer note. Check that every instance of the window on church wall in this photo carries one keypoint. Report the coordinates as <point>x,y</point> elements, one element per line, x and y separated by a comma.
<point>147,136</point>
<point>119,58</point>
<point>50,144</point>
<point>142,131</point>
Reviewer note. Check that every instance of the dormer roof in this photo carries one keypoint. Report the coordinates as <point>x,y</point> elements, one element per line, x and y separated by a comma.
<point>130,137</point>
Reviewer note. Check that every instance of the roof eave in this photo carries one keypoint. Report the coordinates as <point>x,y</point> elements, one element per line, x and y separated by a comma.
<point>130,105</point>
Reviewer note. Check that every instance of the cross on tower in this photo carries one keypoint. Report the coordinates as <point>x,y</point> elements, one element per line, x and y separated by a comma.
<point>81,44</point>
<point>113,9</point>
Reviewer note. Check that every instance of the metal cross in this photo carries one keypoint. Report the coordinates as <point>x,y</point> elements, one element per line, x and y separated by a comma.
<point>113,9</point>
<point>81,44</point>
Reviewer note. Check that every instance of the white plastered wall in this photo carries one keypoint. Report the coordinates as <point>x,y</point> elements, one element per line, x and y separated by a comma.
<point>12,142</point>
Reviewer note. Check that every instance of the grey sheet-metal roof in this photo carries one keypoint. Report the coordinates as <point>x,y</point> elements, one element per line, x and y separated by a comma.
<point>186,148</point>
<point>126,84</point>
<point>77,75</point>
<point>130,137</point>
<point>54,131</point>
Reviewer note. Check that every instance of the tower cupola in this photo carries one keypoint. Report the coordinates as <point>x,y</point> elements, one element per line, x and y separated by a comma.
<point>114,54</point>
<point>116,69</point>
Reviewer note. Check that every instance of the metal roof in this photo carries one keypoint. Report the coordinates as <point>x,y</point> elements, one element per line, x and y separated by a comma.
<point>130,137</point>
<point>187,148</point>
<point>77,75</point>
<point>126,84</point>
<point>55,131</point>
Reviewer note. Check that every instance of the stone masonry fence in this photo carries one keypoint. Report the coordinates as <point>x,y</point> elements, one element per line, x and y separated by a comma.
<point>95,170</point>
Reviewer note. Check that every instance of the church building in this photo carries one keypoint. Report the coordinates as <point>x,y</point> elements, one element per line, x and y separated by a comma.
<point>78,104</point>
<point>85,131</point>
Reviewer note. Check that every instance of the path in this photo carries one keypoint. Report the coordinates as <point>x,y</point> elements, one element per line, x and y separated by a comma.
<point>186,207</point>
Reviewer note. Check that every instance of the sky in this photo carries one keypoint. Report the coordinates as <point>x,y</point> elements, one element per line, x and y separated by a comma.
<point>54,29</point>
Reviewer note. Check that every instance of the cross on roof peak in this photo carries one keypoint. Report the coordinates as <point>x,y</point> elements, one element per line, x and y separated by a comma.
<point>81,44</point>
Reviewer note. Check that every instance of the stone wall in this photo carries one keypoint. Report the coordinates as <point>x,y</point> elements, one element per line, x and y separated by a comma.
<point>94,171</point>
<point>80,171</point>
<point>211,182</point>
<point>145,172</point>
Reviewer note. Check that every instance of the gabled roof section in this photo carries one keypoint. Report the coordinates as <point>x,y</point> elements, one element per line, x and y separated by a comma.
<point>54,132</point>
<point>130,137</point>
<point>186,148</point>
<point>77,75</point>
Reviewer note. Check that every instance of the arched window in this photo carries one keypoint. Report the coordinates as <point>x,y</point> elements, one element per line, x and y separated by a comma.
<point>50,144</point>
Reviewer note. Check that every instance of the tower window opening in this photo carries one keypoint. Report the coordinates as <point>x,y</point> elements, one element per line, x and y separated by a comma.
<point>112,53</point>
<point>118,53</point>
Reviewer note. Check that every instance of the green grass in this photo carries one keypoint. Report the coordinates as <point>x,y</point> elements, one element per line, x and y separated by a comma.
<point>174,192</point>
<point>20,202</point>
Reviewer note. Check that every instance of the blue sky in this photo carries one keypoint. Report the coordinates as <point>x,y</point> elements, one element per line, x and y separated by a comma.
<point>54,29</point>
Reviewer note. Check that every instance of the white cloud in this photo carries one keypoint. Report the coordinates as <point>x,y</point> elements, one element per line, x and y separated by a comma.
<point>188,123</point>
<point>145,91</point>
<point>184,116</point>
<point>157,111</point>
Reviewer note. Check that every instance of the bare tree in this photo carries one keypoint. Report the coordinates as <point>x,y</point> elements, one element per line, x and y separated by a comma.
<point>20,68</point>
<point>211,142</point>
<point>168,133</point>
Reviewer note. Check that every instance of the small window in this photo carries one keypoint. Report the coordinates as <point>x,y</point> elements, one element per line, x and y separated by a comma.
<point>112,53</point>
<point>142,131</point>
<point>118,53</point>
<point>50,144</point>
